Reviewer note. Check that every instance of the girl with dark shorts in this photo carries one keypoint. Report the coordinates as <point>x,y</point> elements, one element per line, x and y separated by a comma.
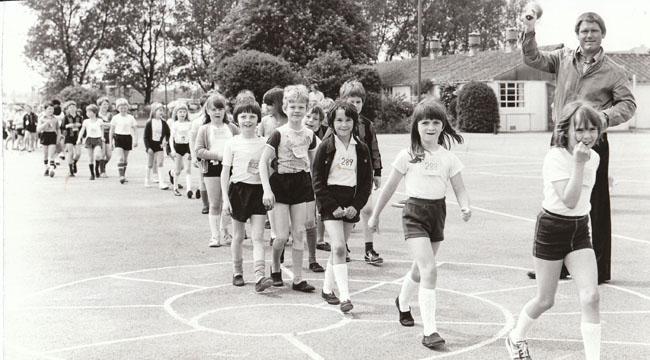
<point>562,229</point>
<point>91,128</point>
<point>210,144</point>
<point>427,166</point>
<point>48,126</point>
<point>180,148</point>
<point>123,135</point>
<point>70,128</point>
<point>155,137</point>
<point>106,116</point>
<point>342,183</point>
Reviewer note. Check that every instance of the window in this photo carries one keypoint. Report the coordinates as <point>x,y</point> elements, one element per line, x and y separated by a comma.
<point>511,94</point>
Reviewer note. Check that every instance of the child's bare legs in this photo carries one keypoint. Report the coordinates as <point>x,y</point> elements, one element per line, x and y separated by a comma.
<point>159,160</point>
<point>213,188</point>
<point>108,153</point>
<point>298,216</point>
<point>279,220</point>
<point>339,232</point>
<point>310,235</point>
<point>424,253</point>
<point>204,194</point>
<point>187,165</point>
<point>236,248</point>
<point>150,164</point>
<point>371,256</point>
<point>226,224</point>
<point>69,153</point>
<point>178,167</point>
<point>77,154</point>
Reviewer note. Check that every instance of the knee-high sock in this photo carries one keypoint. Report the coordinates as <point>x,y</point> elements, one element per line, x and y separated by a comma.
<point>258,258</point>
<point>214,226</point>
<point>591,334</point>
<point>161,181</point>
<point>204,198</point>
<point>147,178</point>
<point>120,168</point>
<point>188,182</point>
<point>278,247</point>
<point>330,280</point>
<point>238,267</point>
<point>310,234</point>
<point>427,300</point>
<point>341,277</point>
<point>524,323</point>
<point>92,170</point>
<point>259,269</point>
<point>296,264</point>
<point>408,290</point>
<point>98,167</point>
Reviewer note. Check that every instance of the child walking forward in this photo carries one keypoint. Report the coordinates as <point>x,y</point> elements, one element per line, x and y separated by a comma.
<point>155,137</point>
<point>244,192</point>
<point>288,189</point>
<point>180,148</point>
<point>48,126</point>
<point>426,166</point>
<point>70,128</point>
<point>123,135</point>
<point>562,229</point>
<point>106,116</point>
<point>94,141</point>
<point>342,184</point>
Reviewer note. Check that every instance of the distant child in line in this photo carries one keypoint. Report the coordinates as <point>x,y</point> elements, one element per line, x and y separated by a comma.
<point>70,129</point>
<point>562,229</point>
<point>48,127</point>
<point>342,184</point>
<point>180,148</point>
<point>106,116</point>
<point>289,188</point>
<point>30,120</point>
<point>243,192</point>
<point>91,135</point>
<point>427,166</point>
<point>155,138</point>
<point>123,135</point>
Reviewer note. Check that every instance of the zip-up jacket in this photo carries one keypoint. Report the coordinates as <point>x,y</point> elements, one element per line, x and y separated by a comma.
<point>605,84</point>
<point>147,138</point>
<point>368,136</point>
<point>321,171</point>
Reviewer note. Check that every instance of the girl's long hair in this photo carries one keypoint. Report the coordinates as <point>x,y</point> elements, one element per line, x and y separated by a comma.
<point>175,112</point>
<point>154,108</point>
<point>350,111</point>
<point>218,101</point>
<point>583,112</point>
<point>432,110</point>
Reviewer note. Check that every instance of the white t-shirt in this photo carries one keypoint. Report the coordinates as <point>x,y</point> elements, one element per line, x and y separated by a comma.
<point>558,165</point>
<point>267,125</point>
<point>428,178</point>
<point>244,157</point>
<point>93,128</point>
<point>218,136</point>
<point>292,148</point>
<point>343,171</point>
<point>156,129</point>
<point>123,123</point>
<point>181,132</point>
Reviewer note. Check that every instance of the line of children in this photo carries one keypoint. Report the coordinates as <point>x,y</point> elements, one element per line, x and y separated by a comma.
<point>91,135</point>
<point>426,166</point>
<point>180,148</point>
<point>70,129</point>
<point>123,135</point>
<point>106,116</point>
<point>155,138</point>
<point>48,126</point>
<point>342,184</point>
<point>30,120</point>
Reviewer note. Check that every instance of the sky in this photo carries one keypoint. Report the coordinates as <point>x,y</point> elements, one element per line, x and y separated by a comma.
<point>627,22</point>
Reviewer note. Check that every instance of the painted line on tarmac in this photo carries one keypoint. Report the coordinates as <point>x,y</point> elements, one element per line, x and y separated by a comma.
<point>39,355</point>
<point>609,342</point>
<point>630,312</point>
<point>642,241</point>
<point>504,290</point>
<point>119,341</point>
<point>170,310</point>
<point>505,164</point>
<point>477,323</point>
<point>157,281</point>
<point>82,307</point>
<point>302,347</point>
<point>503,175</point>
<point>642,296</point>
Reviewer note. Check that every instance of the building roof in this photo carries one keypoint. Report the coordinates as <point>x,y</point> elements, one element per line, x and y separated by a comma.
<point>485,66</point>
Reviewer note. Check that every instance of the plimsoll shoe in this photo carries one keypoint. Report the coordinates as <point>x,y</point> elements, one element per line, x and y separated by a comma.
<point>373,258</point>
<point>346,306</point>
<point>330,298</point>
<point>277,278</point>
<point>303,286</point>
<point>433,341</point>
<point>316,267</point>
<point>405,317</point>
<point>263,284</point>
<point>517,350</point>
<point>238,280</point>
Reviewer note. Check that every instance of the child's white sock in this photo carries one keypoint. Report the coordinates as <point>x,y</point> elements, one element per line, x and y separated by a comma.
<point>591,334</point>
<point>330,281</point>
<point>341,277</point>
<point>188,183</point>
<point>427,300</point>
<point>214,226</point>
<point>524,323</point>
<point>296,264</point>
<point>409,287</point>
<point>147,178</point>
<point>161,181</point>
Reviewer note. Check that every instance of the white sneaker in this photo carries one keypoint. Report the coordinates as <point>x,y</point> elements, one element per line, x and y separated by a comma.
<point>163,186</point>
<point>147,183</point>
<point>517,350</point>
<point>214,242</point>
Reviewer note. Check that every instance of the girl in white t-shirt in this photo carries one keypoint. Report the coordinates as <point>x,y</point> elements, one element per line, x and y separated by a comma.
<point>155,138</point>
<point>180,148</point>
<point>243,192</point>
<point>123,135</point>
<point>562,229</point>
<point>91,130</point>
<point>427,167</point>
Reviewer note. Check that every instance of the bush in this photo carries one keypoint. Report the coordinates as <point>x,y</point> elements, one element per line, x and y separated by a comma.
<point>81,95</point>
<point>478,109</point>
<point>255,71</point>
<point>394,115</point>
<point>327,72</point>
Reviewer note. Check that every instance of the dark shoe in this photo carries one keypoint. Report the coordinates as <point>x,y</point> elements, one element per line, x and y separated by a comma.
<point>347,258</point>
<point>238,280</point>
<point>122,179</point>
<point>277,278</point>
<point>303,286</point>
<point>346,306</point>
<point>564,275</point>
<point>282,257</point>
<point>325,246</point>
<point>373,258</point>
<point>433,341</point>
<point>171,178</point>
<point>263,284</point>
<point>315,267</point>
<point>267,225</point>
<point>405,317</point>
<point>602,281</point>
<point>92,176</point>
<point>177,193</point>
<point>531,275</point>
<point>189,194</point>
<point>197,194</point>
<point>47,172</point>
<point>330,298</point>
<point>205,211</point>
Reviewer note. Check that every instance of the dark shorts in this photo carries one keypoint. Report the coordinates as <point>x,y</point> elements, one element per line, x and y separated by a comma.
<point>107,138</point>
<point>344,196</point>
<point>124,141</point>
<point>182,149</point>
<point>156,146</point>
<point>20,132</point>
<point>48,138</point>
<point>91,143</point>
<point>557,235</point>
<point>213,170</point>
<point>291,189</point>
<point>246,200</point>
<point>70,139</point>
<point>424,218</point>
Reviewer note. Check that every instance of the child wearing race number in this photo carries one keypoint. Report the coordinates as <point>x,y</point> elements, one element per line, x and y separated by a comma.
<point>90,135</point>
<point>123,135</point>
<point>155,137</point>
<point>342,183</point>
<point>562,229</point>
<point>243,191</point>
<point>426,166</point>
<point>180,148</point>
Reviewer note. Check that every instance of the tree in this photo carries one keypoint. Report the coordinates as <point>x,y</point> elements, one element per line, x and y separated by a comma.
<point>67,37</point>
<point>477,108</point>
<point>298,30</point>
<point>137,45</point>
<point>81,95</point>
<point>194,41</point>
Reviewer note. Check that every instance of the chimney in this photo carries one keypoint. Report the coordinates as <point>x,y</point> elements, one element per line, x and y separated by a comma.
<point>511,39</point>
<point>474,41</point>
<point>434,47</point>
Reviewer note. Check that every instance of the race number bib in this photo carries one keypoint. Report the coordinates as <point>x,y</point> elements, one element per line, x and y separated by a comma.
<point>346,163</point>
<point>182,139</point>
<point>300,151</point>
<point>431,167</point>
<point>254,167</point>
